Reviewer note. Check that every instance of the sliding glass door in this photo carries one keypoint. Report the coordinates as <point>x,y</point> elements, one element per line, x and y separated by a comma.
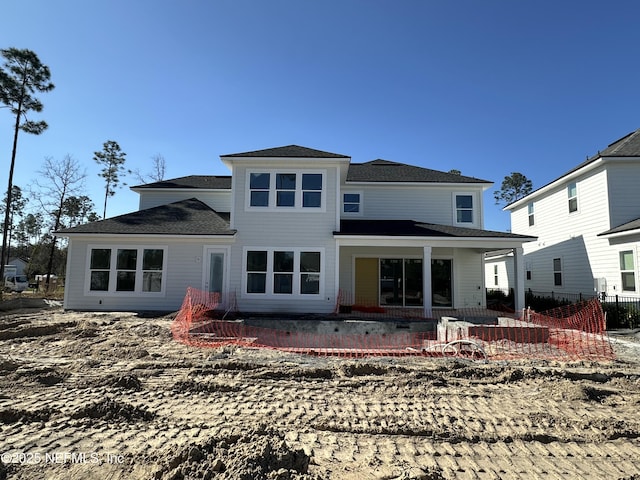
<point>401,282</point>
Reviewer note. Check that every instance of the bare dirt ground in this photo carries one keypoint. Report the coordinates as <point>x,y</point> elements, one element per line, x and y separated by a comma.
<point>112,396</point>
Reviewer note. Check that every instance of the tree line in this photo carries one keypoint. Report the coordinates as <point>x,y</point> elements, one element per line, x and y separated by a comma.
<point>57,198</point>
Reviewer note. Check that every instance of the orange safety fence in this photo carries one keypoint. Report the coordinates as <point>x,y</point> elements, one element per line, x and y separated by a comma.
<point>571,333</point>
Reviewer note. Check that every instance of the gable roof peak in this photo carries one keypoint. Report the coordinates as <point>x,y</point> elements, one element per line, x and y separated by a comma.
<point>287,151</point>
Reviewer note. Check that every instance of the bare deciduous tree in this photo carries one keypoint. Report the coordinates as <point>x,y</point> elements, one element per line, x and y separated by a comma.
<point>57,182</point>
<point>157,170</point>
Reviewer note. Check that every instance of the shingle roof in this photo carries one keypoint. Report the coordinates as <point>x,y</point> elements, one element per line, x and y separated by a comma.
<point>192,181</point>
<point>288,151</point>
<point>625,227</point>
<point>387,171</point>
<point>187,217</point>
<point>411,228</point>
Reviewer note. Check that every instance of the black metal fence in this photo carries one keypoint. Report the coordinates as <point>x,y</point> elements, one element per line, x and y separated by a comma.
<point>621,311</point>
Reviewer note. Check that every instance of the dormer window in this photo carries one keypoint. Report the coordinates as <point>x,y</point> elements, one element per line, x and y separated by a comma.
<point>291,190</point>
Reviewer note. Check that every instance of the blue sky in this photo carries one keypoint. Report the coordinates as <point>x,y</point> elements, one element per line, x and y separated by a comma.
<point>486,87</point>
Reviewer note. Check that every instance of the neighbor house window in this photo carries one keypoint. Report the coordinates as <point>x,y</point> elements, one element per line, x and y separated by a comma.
<point>495,275</point>
<point>351,203</point>
<point>557,271</point>
<point>572,193</point>
<point>283,272</point>
<point>129,270</point>
<point>292,190</point>
<point>627,271</point>
<point>530,209</point>
<point>464,208</point>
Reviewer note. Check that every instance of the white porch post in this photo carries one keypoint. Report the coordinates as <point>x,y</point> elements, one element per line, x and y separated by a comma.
<point>426,282</point>
<point>518,273</point>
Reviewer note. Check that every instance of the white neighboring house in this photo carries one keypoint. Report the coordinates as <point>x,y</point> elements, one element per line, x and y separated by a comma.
<point>293,229</point>
<point>587,224</point>
<point>499,271</point>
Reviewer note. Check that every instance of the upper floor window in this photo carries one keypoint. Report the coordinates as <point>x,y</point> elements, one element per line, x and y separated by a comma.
<point>530,209</point>
<point>259,184</point>
<point>126,270</point>
<point>627,271</point>
<point>292,190</point>
<point>352,203</point>
<point>572,193</point>
<point>464,208</point>
<point>557,272</point>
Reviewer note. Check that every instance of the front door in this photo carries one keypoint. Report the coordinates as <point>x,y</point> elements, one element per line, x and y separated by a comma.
<point>215,273</point>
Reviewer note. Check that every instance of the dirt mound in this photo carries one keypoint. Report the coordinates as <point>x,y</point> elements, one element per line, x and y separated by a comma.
<point>12,415</point>
<point>193,386</point>
<point>126,382</point>
<point>260,453</point>
<point>109,409</point>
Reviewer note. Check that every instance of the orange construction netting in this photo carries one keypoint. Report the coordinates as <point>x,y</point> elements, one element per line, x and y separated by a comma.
<point>571,333</point>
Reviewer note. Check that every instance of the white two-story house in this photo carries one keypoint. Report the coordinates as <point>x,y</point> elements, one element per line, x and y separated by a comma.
<point>293,229</point>
<point>587,224</point>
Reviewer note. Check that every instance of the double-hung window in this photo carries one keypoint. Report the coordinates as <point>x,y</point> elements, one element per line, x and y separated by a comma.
<point>259,185</point>
<point>283,271</point>
<point>572,194</point>
<point>531,217</point>
<point>557,272</point>
<point>627,271</point>
<point>290,190</point>
<point>126,270</point>
<point>464,208</point>
<point>352,203</point>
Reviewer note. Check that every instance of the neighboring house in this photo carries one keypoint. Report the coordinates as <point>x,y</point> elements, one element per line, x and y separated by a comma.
<point>292,229</point>
<point>20,264</point>
<point>499,271</point>
<point>588,226</point>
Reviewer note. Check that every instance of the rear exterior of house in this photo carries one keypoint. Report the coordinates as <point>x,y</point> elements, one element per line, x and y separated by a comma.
<point>292,229</point>
<point>587,226</point>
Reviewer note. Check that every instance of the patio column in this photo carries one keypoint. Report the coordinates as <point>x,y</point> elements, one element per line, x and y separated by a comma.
<point>518,273</point>
<point>426,282</point>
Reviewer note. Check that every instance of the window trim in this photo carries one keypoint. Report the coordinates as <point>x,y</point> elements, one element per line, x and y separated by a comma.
<point>557,272</point>
<point>273,191</point>
<point>113,269</point>
<point>632,270</point>
<point>531,214</point>
<point>475,213</point>
<point>297,273</point>
<point>360,211</point>
<point>574,197</point>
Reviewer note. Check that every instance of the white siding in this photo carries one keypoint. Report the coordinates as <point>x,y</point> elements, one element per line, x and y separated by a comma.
<point>184,269</point>
<point>219,200</point>
<point>285,229</point>
<point>624,194</point>
<point>506,278</point>
<point>424,203</point>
